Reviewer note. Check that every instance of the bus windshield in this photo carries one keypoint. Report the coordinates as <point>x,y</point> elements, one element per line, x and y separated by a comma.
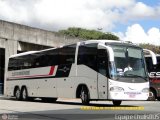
<point>129,62</point>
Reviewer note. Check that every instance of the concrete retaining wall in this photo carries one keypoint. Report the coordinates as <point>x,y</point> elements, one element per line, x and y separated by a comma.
<point>14,37</point>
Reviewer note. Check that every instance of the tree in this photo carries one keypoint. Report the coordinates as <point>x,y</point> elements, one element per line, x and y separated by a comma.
<point>154,48</point>
<point>87,34</point>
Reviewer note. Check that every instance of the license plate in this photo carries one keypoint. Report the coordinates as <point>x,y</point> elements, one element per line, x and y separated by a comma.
<point>132,95</point>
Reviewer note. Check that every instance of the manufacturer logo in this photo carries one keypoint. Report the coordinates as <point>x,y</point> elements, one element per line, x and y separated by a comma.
<point>131,88</point>
<point>65,69</point>
<point>154,74</point>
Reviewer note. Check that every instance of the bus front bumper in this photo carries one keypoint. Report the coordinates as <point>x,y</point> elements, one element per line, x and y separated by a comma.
<point>128,96</point>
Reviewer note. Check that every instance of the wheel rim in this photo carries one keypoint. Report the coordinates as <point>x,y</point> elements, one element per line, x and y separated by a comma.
<point>82,95</point>
<point>18,94</point>
<point>24,94</point>
<point>151,94</point>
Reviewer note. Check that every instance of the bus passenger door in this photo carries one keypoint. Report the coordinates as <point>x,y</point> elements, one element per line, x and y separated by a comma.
<point>102,67</point>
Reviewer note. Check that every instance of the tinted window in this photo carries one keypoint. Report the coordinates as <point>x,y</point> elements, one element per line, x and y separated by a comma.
<point>12,64</point>
<point>87,55</point>
<point>46,58</point>
<point>150,66</point>
<point>65,55</point>
<point>102,62</point>
<point>21,62</point>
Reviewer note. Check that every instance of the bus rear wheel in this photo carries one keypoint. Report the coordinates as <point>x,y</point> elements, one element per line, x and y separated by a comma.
<point>117,102</point>
<point>24,94</point>
<point>84,96</point>
<point>18,94</point>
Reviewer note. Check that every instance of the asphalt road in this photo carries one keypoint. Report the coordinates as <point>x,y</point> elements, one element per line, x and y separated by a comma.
<point>65,109</point>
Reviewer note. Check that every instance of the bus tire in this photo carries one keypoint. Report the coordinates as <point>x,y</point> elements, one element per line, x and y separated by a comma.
<point>117,102</point>
<point>158,98</point>
<point>84,96</point>
<point>152,96</point>
<point>18,94</point>
<point>24,94</point>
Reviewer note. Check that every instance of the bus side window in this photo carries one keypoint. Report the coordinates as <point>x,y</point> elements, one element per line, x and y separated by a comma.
<point>12,64</point>
<point>67,54</point>
<point>87,55</point>
<point>102,63</point>
<point>20,62</point>
<point>158,64</point>
<point>150,66</point>
<point>52,57</point>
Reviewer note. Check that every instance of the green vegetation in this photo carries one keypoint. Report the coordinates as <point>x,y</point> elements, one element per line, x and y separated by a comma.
<point>87,34</point>
<point>154,48</point>
<point>98,35</point>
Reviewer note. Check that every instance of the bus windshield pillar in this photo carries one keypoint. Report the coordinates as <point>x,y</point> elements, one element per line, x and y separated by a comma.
<point>109,50</point>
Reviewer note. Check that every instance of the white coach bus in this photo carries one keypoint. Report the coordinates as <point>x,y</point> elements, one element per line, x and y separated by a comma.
<point>90,70</point>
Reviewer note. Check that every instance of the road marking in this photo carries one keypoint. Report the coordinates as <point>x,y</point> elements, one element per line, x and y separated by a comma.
<point>111,108</point>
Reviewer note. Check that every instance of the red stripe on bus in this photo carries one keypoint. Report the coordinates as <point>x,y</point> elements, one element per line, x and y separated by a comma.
<point>30,76</point>
<point>51,70</point>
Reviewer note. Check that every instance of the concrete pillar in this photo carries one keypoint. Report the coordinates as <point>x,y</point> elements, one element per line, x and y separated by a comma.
<point>2,43</point>
<point>11,47</point>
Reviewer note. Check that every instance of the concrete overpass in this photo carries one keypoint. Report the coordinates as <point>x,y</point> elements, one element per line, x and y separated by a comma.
<point>15,38</point>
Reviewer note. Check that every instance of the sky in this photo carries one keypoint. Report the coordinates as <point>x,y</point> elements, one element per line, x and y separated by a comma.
<point>137,21</point>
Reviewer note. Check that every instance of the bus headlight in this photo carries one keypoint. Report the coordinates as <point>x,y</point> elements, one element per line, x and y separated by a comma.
<point>116,89</point>
<point>145,90</point>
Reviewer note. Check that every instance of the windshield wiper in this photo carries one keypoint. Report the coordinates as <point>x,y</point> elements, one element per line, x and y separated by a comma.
<point>133,75</point>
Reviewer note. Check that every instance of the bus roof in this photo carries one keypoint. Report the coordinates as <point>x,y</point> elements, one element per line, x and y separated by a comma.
<point>86,42</point>
<point>110,41</point>
<point>104,41</point>
<point>29,52</point>
<point>24,53</point>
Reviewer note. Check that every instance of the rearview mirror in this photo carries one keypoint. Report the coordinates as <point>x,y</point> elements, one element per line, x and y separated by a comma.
<point>154,59</point>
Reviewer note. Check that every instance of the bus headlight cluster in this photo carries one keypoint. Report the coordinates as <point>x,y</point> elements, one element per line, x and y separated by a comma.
<point>145,90</point>
<point>116,89</point>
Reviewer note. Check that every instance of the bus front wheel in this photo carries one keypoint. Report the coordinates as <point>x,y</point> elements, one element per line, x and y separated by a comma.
<point>152,96</point>
<point>84,96</point>
<point>117,102</point>
<point>158,98</point>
